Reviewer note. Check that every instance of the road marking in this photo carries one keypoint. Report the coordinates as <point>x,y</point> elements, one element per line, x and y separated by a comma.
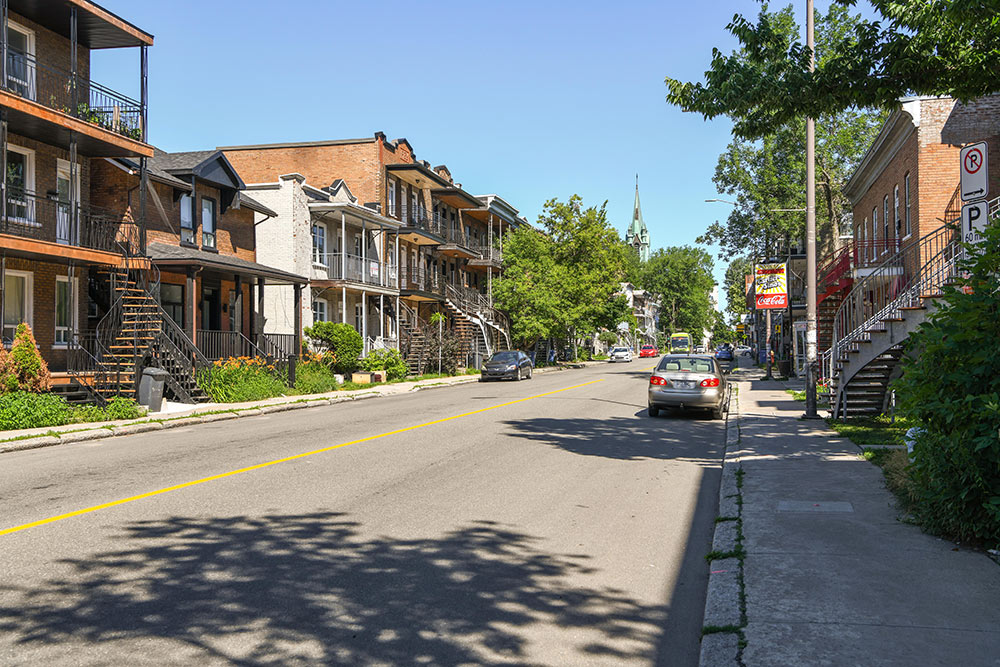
<point>258,466</point>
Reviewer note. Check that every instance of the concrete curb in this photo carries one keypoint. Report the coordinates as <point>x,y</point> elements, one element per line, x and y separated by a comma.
<point>723,618</point>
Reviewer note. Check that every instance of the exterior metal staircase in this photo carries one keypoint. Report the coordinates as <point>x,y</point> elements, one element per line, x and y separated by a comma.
<point>881,311</point>
<point>414,346</point>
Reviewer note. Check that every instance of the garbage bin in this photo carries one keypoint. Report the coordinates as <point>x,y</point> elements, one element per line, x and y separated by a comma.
<point>151,388</point>
<point>785,367</point>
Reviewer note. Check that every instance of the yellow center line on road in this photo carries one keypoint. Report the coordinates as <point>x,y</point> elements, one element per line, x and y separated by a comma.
<point>203,480</point>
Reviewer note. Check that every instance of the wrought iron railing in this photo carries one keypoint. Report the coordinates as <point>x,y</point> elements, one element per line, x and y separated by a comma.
<point>277,345</point>
<point>418,217</point>
<point>422,279</point>
<point>919,269</point>
<point>365,270</point>
<point>216,345</point>
<point>58,89</point>
<point>27,215</point>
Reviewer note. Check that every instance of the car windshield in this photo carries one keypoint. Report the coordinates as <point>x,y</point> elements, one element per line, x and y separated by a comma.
<point>680,342</point>
<point>682,364</point>
<point>504,357</point>
<point>620,349</point>
<point>647,347</point>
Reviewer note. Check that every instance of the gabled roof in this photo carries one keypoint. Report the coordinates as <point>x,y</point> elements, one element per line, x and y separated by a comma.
<point>210,166</point>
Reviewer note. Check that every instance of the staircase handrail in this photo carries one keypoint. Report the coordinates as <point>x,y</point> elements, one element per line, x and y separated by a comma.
<point>186,348</point>
<point>886,284</point>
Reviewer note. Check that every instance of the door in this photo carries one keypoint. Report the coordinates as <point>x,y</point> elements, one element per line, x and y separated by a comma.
<point>20,61</point>
<point>64,210</point>
<point>211,310</point>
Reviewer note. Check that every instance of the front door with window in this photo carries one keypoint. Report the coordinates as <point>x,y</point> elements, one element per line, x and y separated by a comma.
<point>20,61</point>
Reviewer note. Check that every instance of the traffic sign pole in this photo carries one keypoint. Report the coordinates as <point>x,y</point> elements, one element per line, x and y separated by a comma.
<point>811,352</point>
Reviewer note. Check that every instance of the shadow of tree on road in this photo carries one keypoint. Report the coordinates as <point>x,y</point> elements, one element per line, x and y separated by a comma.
<point>682,436</point>
<point>308,589</point>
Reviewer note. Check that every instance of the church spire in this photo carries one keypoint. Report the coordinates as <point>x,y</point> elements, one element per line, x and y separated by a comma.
<point>638,235</point>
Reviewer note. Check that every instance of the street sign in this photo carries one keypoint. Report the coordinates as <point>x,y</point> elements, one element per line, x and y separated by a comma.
<point>771,286</point>
<point>974,219</point>
<point>975,172</point>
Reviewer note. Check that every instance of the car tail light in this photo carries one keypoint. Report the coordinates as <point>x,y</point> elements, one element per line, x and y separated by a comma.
<point>657,380</point>
<point>710,382</point>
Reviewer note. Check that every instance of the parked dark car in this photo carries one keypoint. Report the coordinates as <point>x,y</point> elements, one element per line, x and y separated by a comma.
<point>506,365</point>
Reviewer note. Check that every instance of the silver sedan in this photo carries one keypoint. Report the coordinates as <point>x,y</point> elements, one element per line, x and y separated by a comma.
<point>688,381</point>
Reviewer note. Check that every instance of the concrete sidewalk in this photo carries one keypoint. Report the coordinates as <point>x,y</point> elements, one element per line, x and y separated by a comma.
<point>829,574</point>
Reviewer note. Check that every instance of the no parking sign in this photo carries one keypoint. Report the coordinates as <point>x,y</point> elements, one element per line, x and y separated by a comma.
<point>975,172</point>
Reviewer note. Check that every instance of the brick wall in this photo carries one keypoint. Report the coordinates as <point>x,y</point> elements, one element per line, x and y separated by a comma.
<point>53,49</point>
<point>234,229</point>
<point>42,306</point>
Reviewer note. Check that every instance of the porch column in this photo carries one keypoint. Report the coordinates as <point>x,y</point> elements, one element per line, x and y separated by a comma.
<point>3,288</point>
<point>260,303</point>
<point>364,320</point>
<point>191,307</point>
<point>298,319</point>
<point>364,252</point>
<point>343,251</point>
<point>238,305</point>
<point>73,233</point>
<point>396,260</point>
<point>381,317</point>
<point>397,331</point>
<point>253,315</point>
<point>343,305</point>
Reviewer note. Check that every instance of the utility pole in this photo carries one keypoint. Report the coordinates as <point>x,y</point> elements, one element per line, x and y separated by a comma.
<point>811,355</point>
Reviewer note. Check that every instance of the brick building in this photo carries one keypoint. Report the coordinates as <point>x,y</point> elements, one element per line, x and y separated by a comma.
<point>56,123</point>
<point>449,241</point>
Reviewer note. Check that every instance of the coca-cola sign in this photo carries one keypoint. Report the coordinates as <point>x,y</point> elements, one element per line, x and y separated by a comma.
<point>771,286</point>
<point>772,301</point>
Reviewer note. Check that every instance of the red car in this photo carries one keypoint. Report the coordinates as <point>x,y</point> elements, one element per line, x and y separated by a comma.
<point>648,351</point>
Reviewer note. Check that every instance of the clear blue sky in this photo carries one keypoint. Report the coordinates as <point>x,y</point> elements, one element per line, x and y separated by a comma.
<point>525,99</point>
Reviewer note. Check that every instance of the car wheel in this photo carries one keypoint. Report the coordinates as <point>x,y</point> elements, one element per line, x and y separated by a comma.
<point>518,377</point>
<point>530,373</point>
<point>653,411</point>
<point>717,411</point>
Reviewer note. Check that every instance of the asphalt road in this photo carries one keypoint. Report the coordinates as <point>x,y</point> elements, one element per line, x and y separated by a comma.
<point>555,525</point>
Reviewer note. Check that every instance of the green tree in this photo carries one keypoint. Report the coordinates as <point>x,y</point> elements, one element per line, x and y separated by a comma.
<point>526,289</point>
<point>922,47</point>
<point>681,277</point>
<point>734,285</point>
<point>722,332</point>
<point>561,281</point>
<point>765,175</point>
<point>342,340</point>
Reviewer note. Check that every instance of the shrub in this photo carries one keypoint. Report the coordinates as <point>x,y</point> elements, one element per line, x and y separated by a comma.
<point>23,409</point>
<point>341,340</point>
<point>388,360</point>
<point>120,407</point>
<point>951,387</point>
<point>450,347</point>
<point>239,379</point>
<point>23,369</point>
<point>314,375</point>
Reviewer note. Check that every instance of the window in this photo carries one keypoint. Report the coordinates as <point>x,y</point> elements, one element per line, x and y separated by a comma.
<point>895,212</point>
<point>21,184</point>
<point>864,240</point>
<point>906,203</point>
<point>187,219</point>
<point>392,196</point>
<point>319,310</point>
<point>357,245</point>
<point>172,300</point>
<point>20,57</point>
<point>358,318</point>
<point>319,243</point>
<point>875,230</point>
<point>885,223</point>
<point>66,311</point>
<point>16,301</point>
<point>207,222</point>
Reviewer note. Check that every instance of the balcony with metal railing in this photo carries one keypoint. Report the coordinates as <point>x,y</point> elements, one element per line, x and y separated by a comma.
<point>420,225</point>
<point>421,282</point>
<point>348,268</point>
<point>50,220</point>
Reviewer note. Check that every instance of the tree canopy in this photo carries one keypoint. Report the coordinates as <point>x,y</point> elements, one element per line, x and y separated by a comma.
<point>765,176</point>
<point>562,280</point>
<point>913,47</point>
<point>734,285</point>
<point>681,277</point>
